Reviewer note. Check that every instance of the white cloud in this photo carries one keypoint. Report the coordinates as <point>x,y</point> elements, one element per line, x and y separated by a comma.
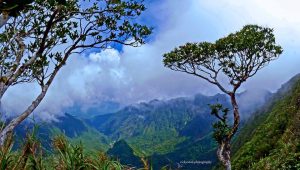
<point>137,74</point>
<point>85,80</point>
<point>109,57</point>
<point>231,15</point>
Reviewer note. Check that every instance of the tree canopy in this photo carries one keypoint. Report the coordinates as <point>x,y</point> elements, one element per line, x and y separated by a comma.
<point>238,56</point>
<point>47,33</point>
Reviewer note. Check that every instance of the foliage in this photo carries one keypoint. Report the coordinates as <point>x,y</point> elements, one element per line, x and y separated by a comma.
<point>6,158</point>
<point>37,43</point>
<point>64,156</point>
<point>238,56</point>
<point>171,131</point>
<point>167,131</point>
<point>123,152</point>
<point>221,127</point>
<point>13,8</point>
<point>161,143</point>
<point>271,139</point>
<point>92,140</point>
<point>72,157</point>
<point>159,127</point>
<point>201,149</point>
<point>28,157</point>
<point>49,32</point>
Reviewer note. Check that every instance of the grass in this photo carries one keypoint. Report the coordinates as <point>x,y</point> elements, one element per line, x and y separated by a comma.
<point>64,155</point>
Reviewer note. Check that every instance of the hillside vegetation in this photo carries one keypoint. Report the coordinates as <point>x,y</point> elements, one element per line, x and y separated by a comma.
<point>62,155</point>
<point>271,139</point>
<point>165,132</point>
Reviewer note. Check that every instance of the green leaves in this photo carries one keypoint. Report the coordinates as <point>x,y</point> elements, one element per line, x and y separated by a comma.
<point>221,127</point>
<point>15,7</point>
<point>63,155</point>
<point>191,53</point>
<point>245,52</point>
<point>239,55</point>
<point>51,31</point>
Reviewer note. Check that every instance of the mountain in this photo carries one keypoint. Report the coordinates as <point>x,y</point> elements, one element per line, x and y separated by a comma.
<point>203,150</point>
<point>250,100</point>
<point>168,132</point>
<point>173,130</point>
<point>71,126</point>
<point>158,126</point>
<point>123,152</point>
<point>271,138</point>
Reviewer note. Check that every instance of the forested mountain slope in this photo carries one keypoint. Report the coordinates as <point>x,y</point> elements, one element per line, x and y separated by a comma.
<point>271,138</point>
<point>165,131</point>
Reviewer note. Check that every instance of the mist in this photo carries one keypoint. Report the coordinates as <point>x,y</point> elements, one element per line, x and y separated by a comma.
<point>130,75</point>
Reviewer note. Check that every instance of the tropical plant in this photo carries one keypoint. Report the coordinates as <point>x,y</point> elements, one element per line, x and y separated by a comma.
<point>64,156</point>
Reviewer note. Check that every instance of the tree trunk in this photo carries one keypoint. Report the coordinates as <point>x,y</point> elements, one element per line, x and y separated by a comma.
<point>236,116</point>
<point>16,121</point>
<point>224,148</point>
<point>223,154</point>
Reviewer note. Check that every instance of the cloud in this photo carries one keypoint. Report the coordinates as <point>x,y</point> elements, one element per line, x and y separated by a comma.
<point>230,15</point>
<point>138,74</point>
<point>85,80</point>
<point>196,21</point>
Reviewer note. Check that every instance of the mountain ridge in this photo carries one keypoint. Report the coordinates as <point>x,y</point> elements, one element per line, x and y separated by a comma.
<point>159,129</point>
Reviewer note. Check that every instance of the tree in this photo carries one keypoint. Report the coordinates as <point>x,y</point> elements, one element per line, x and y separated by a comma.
<point>12,8</point>
<point>37,43</point>
<point>237,57</point>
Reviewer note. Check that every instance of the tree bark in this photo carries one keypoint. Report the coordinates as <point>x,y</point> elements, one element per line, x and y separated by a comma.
<point>224,148</point>
<point>223,154</point>
<point>236,116</point>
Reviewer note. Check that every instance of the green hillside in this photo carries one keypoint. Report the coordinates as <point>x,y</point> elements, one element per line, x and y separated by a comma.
<point>159,126</point>
<point>271,139</point>
<point>167,132</point>
<point>123,152</point>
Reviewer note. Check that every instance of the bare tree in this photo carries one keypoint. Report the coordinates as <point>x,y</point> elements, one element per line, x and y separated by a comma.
<point>37,43</point>
<point>237,57</point>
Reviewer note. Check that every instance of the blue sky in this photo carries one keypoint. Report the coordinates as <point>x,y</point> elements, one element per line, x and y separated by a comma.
<point>208,20</point>
<point>137,74</point>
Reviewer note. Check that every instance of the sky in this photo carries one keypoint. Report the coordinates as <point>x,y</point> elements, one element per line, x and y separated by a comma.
<point>129,75</point>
